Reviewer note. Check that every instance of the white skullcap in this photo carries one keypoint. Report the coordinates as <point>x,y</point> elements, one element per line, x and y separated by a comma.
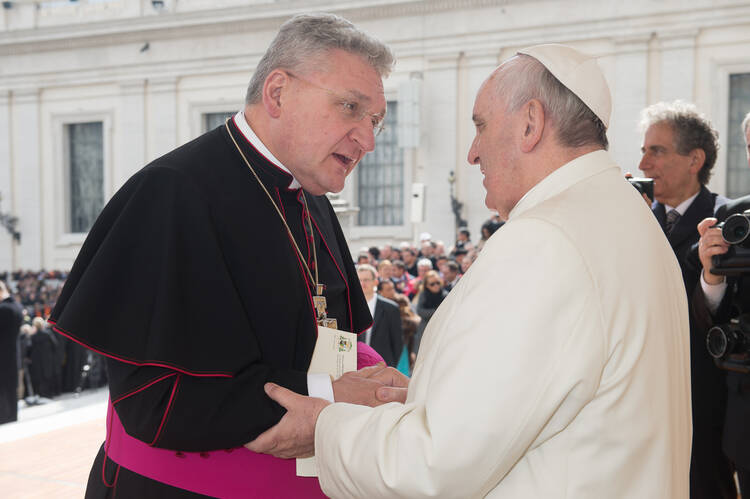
<point>579,73</point>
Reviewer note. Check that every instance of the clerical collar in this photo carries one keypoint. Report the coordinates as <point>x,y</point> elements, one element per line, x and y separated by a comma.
<point>247,131</point>
<point>682,207</point>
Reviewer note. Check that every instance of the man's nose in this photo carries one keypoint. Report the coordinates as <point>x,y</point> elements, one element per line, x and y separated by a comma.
<point>644,164</point>
<point>364,134</point>
<point>473,157</point>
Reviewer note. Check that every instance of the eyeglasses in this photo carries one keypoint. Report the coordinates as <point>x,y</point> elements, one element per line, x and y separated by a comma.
<point>433,283</point>
<point>351,109</point>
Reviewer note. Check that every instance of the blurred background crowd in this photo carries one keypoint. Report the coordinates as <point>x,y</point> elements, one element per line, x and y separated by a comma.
<point>48,364</point>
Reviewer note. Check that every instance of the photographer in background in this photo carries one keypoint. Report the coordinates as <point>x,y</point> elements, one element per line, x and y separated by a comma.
<point>717,300</point>
<point>679,151</point>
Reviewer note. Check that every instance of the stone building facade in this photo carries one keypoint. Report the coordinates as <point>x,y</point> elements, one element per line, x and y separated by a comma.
<point>92,90</point>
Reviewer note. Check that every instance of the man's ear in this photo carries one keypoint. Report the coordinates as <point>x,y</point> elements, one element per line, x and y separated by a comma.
<point>532,119</point>
<point>273,88</point>
<point>697,159</point>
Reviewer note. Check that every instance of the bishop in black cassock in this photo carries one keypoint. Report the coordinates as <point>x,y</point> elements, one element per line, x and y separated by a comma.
<point>189,284</point>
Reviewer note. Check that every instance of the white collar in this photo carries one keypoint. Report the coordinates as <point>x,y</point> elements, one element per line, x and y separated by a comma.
<point>682,207</point>
<point>562,178</point>
<point>247,131</point>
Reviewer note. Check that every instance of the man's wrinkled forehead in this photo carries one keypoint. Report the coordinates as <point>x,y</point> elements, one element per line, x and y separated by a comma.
<point>488,96</point>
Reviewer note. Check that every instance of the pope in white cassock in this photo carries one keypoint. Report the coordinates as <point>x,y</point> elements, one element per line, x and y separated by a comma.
<point>559,365</point>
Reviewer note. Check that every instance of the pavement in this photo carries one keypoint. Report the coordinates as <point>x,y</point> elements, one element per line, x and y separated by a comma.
<point>48,452</point>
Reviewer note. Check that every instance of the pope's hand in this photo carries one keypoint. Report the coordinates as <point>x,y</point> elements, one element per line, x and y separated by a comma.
<point>371,386</point>
<point>294,435</point>
<point>396,385</point>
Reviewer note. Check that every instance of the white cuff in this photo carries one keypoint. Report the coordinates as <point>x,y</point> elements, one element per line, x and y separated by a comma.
<point>319,385</point>
<point>713,293</point>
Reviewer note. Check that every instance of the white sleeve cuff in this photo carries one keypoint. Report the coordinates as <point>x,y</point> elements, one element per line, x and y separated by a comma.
<point>713,293</point>
<point>319,385</point>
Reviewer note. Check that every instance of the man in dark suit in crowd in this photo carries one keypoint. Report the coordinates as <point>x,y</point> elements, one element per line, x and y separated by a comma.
<point>451,275</point>
<point>11,318</point>
<point>716,301</point>
<point>679,151</point>
<point>385,335</point>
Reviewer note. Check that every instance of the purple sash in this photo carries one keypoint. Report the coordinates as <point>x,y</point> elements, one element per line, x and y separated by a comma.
<point>224,473</point>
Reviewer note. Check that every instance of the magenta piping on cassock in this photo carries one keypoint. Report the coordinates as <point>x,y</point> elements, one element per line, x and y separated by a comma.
<point>230,473</point>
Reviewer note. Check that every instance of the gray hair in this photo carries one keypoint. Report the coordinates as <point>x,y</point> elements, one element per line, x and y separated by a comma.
<point>746,124</point>
<point>692,130</point>
<point>304,37</point>
<point>528,79</point>
<point>366,267</point>
<point>424,262</point>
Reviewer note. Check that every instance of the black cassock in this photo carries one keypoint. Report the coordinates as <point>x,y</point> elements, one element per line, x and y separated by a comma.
<point>46,363</point>
<point>11,317</point>
<point>189,271</point>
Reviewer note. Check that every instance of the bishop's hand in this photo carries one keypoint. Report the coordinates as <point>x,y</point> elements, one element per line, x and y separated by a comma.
<point>294,434</point>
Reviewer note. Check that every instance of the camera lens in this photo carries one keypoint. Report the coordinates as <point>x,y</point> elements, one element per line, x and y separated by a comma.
<point>716,342</point>
<point>736,229</point>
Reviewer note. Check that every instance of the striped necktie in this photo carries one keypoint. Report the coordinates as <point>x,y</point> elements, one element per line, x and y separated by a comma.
<point>673,217</point>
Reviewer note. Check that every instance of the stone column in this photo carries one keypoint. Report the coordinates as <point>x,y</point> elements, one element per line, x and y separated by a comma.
<point>677,65</point>
<point>628,82</point>
<point>26,175</point>
<point>6,181</point>
<point>130,133</point>
<point>436,155</point>
<point>161,117</point>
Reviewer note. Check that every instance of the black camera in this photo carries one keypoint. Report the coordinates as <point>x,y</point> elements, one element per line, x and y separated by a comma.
<point>729,344</point>
<point>643,185</point>
<point>736,231</point>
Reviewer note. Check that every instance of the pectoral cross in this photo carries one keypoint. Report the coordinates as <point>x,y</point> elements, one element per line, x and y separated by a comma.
<point>321,308</point>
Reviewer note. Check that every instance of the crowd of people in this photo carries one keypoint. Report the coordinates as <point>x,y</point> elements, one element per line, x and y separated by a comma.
<point>47,364</point>
<point>35,291</point>
<point>416,279</point>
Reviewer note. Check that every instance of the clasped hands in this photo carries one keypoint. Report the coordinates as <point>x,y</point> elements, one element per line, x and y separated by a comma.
<point>294,434</point>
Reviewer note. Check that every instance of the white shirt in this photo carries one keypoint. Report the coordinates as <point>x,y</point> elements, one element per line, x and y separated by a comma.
<point>371,304</point>
<point>318,385</point>
<point>682,207</point>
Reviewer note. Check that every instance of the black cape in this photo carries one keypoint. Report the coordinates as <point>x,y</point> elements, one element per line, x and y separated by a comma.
<point>190,267</point>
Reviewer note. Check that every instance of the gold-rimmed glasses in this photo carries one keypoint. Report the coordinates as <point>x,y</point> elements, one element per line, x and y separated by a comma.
<point>350,108</point>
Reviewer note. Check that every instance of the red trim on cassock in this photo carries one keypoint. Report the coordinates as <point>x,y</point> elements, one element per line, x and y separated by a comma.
<point>143,387</point>
<point>343,277</point>
<point>106,449</point>
<point>365,329</point>
<point>166,411</point>
<point>301,267</point>
<point>303,206</point>
<point>70,336</point>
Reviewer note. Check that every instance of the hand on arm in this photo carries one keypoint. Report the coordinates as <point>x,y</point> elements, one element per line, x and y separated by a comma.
<point>294,435</point>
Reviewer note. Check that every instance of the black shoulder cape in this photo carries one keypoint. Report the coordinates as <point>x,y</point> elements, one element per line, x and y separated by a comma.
<point>189,267</point>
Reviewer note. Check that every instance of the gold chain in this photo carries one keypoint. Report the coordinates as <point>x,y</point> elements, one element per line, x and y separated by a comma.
<point>281,216</point>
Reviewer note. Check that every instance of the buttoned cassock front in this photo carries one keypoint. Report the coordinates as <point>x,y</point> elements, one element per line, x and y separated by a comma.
<point>558,367</point>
